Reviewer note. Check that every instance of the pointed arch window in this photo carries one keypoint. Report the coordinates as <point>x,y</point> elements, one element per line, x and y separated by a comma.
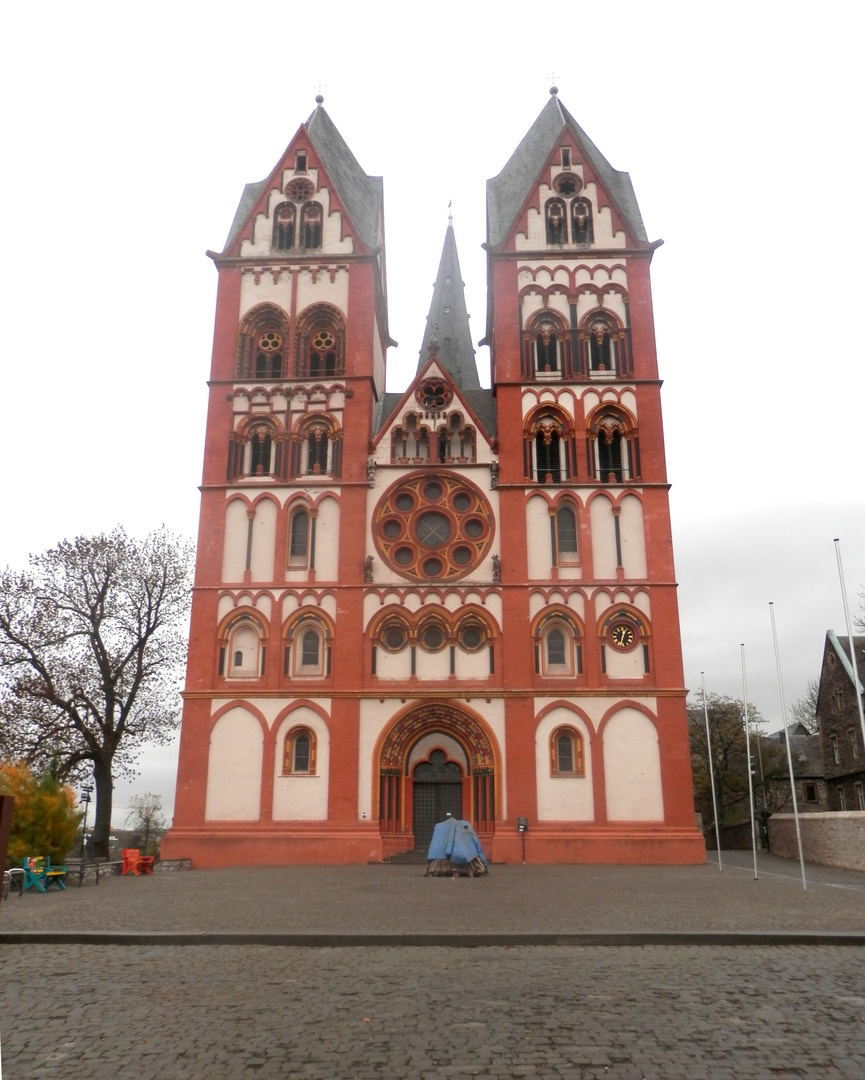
<point>321,343</point>
<point>262,343</point>
<point>284,222</point>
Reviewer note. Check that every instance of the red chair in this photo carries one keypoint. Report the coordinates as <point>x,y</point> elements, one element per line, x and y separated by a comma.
<point>136,863</point>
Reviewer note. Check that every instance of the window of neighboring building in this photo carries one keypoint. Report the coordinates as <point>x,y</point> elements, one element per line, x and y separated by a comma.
<point>854,748</point>
<point>299,752</point>
<point>842,798</point>
<point>566,753</point>
<point>810,793</point>
<point>860,796</point>
<point>836,749</point>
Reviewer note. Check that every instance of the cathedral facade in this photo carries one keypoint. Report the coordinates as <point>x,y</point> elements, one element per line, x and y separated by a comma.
<point>452,600</point>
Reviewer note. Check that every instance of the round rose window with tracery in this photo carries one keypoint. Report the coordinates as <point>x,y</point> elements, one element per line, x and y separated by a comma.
<point>430,528</point>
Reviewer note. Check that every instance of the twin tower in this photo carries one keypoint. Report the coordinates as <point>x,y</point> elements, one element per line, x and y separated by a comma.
<point>451,600</point>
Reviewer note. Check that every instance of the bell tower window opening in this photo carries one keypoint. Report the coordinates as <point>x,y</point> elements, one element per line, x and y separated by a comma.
<point>268,355</point>
<point>322,354</point>
<point>284,220</point>
<point>581,221</point>
<point>316,449</point>
<point>262,342</point>
<point>300,162</point>
<point>556,222</point>
<point>548,461</point>
<point>311,222</point>
<point>260,446</point>
<point>320,343</point>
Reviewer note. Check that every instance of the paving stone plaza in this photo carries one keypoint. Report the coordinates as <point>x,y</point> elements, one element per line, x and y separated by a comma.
<point>753,978</point>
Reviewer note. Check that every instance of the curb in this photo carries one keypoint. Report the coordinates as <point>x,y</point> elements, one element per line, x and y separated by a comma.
<point>437,940</point>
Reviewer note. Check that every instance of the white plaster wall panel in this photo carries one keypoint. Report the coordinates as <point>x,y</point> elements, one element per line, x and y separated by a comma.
<point>615,302</point>
<point>433,665</point>
<point>537,601</point>
<point>603,221</point>
<point>472,665</point>
<point>265,291</point>
<point>625,665</point>
<point>543,277</point>
<point>224,607</point>
<point>290,604</point>
<point>561,276</point>
<point>328,604</point>
<point>392,665</point>
<point>591,400</point>
<point>378,358</point>
<point>632,768</point>
<point>528,401</point>
<point>629,400</point>
<point>563,798</point>
<point>234,768</point>
<point>375,716</point>
<point>236,531</point>
<point>302,797</point>
<point>422,750</point>
<point>323,291</point>
<point>532,302</point>
<point>577,603</point>
<point>603,538</point>
<point>595,708</point>
<point>327,541</point>
<point>538,538</point>
<point>633,537</point>
<point>264,604</point>
<point>643,603</point>
<point>620,276</point>
<point>263,541</point>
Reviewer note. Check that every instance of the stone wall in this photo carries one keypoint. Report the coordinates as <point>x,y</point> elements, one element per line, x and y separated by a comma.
<point>831,839</point>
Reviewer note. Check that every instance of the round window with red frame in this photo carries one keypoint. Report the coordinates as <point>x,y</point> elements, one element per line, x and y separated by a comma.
<point>433,394</point>
<point>432,528</point>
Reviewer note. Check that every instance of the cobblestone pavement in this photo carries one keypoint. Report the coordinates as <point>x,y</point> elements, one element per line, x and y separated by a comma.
<point>252,1013</point>
<point>511,899</point>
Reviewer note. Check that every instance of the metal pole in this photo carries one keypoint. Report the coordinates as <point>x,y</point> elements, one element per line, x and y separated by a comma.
<point>711,769</point>
<point>857,686</point>
<point>750,777</point>
<point>787,741</point>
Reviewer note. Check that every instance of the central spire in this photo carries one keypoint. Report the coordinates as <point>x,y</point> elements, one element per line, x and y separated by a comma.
<point>447,333</point>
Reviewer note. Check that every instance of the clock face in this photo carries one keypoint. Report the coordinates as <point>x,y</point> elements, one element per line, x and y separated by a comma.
<point>622,636</point>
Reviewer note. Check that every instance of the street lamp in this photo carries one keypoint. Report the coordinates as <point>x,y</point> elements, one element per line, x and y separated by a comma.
<point>86,792</point>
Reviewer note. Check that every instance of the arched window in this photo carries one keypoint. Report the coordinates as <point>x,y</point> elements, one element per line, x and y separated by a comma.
<point>321,343</point>
<point>298,755</point>
<point>566,753</point>
<point>549,447</point>
<point>298,539</point>
<point>283,226</point>
<point>316,450</point>
<point>556,221</point>
<point>455,441</point>
<point>566,534</point>
<point>307,649</point>
<point>260,450</point>
<point>604,344</point>
<point>410,442</point>
<point>262,343</point>
<point>546,341</point>
<point>311,221</point>
<point>616,450</point>
<point>242,654</point>
<point>558,651</point>
<point>581,221</point>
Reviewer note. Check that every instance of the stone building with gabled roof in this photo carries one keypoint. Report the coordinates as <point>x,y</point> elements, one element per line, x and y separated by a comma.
<point>839,723</point>
<point>450,600</point>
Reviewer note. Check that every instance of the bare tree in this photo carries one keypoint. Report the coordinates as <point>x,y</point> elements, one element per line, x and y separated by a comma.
<point>147,819</point>
<point>92,650</point>
<point>804,710</point>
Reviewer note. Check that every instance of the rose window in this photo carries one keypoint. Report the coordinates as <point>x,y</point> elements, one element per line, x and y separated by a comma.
<point>428,528</point>
<point>433,394</point>
<point>300,189</point>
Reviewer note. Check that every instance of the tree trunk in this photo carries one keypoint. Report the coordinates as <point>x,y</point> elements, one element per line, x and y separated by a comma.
<point>104,799</point>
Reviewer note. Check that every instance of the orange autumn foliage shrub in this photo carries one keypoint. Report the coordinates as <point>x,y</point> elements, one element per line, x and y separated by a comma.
<point>44,821</point>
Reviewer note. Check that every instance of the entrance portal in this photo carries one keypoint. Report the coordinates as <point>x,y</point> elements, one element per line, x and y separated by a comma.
<point>437,791</point>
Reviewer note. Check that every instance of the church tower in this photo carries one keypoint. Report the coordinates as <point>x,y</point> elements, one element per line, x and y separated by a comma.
<point>448,600</point>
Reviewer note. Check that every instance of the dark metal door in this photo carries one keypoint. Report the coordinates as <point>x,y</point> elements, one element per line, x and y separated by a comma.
<point>431,803</point>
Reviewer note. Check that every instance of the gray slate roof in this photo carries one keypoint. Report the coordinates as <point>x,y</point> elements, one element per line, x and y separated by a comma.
<point>841,645</point>
<point>361,194</point>
<point>507,192</point>
<point>448,321</point>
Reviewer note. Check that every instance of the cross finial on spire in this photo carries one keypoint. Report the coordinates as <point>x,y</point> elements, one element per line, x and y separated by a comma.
<point>553,89</point>
<point>319,97</point>
<point>450,215</point>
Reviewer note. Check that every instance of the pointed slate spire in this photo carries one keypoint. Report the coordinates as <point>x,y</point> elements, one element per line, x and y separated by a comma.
<point>447,332</point>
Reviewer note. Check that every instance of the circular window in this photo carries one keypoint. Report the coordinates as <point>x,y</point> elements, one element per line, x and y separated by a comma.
<point>269,341</point>
<point>429,527</point>
<point>568,184</point>
<point>432,638</point>
<point>300,190</point>
<point>394,638</point>
<point>471,637</point>
<point>433,394</point>
<point>434,529</point>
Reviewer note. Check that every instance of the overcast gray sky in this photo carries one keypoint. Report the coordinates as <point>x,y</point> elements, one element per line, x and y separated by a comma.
<point>130,132</point>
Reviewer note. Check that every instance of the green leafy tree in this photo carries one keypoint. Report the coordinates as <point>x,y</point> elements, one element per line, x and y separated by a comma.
<point>45,820</point>
<point>92,651</point>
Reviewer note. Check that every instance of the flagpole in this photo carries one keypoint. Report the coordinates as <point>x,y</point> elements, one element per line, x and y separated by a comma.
<point>750,774</point>
<point>787,742</point>
<point>856,684</point>
<point>711,769</point>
